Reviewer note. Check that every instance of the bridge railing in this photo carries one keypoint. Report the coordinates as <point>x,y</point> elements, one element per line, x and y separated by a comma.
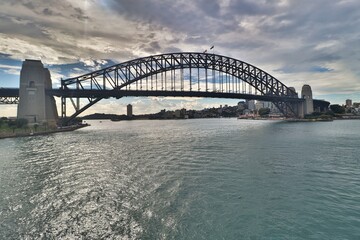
<point>9,95</point>
<point>9,100</point>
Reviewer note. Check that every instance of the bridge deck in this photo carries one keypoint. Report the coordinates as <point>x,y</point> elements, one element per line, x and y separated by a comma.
<point>147,93</point>
<point>14,92</point>
<point>9,92</point>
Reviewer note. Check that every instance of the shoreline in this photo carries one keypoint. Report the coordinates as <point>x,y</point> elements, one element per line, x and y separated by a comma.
<point>75,127</point>
<point>31,134</point>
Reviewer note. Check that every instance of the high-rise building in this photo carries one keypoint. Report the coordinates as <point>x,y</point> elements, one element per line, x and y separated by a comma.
<point>251,104</point>
<point>356,105</point>
<point>269,105</point>
<point>263,104</point>
<point>242,105</point>
<point>129,110</point>
<point>348,103</point>
<point>259,105</point>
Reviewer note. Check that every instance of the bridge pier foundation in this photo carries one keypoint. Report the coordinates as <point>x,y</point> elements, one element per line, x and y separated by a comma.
<point>34,104</point>
<point>306,106</point>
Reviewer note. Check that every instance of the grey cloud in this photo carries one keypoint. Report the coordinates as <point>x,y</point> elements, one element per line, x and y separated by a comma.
<point>246,45</point>
<point>17,28</point>
<point>324,57</point>
<point>53,8</point>
<point>172,50</point>
<point>209,8</point>
<point>29,5</point>
<point>150,36</point>
<point>49,12</point>
<point>4,55</point>
<point>176,15</point>
<point>244,7</point>
<point>298,69</point>
<point>155,46</point>
<point>79,14</point>
<point>315,20</point>
<point>152,47</point>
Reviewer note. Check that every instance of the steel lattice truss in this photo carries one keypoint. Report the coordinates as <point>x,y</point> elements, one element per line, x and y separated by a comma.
<point>9,100</point>
<point>179,74</point>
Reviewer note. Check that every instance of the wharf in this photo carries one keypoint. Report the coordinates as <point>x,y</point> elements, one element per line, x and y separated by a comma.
<point>30,134</point>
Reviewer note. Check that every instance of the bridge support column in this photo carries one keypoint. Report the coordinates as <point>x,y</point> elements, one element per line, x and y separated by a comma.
<point>306,93</point>
<point>34,104</point>
<point>300,109</point>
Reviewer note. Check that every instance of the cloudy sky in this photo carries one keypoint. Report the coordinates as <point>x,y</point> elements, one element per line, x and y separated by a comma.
<point>314,42</point>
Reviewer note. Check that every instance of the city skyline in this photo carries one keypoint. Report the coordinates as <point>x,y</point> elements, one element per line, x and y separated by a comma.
<point>299,43</point>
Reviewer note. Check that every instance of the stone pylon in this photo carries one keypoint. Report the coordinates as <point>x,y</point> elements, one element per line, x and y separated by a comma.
<point>34,104</point>
<point>306,93</point>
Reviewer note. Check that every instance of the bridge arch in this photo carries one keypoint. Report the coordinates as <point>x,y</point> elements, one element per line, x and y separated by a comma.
<point>207,75</point>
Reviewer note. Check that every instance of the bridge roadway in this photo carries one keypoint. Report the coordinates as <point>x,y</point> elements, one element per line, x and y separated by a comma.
<point>14,93</point>
<point>9,92</point>
<point>116,93</point>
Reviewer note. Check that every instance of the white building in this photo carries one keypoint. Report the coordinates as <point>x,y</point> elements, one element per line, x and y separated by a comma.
<point>251,104</point>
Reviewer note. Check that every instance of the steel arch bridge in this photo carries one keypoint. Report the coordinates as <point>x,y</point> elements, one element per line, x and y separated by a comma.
<point>177,74</point>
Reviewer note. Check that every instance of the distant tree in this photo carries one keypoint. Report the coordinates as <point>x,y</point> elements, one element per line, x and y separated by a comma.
<point>21,122</point>
<point>264,111</point>
<point>12,125</point>
<point>318,115</point>
<point>330,113</point>
<point>36,126</point>
<point>45,125</point>
<point>3,121</point>
<point>337,109</point>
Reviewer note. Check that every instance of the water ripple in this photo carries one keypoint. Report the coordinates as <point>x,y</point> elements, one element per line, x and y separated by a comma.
<point>194,179</point>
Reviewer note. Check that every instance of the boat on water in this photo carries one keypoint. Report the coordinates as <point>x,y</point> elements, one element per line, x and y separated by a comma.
<point>246,117</point>
<point>309,120</point>
<point>115,119</point>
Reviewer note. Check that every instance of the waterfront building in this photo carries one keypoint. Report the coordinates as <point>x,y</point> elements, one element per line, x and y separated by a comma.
<point>263,104</point>
<point>356,105</point>
<point>348,103</point>
<point>177,113</point>
<point>251,104</point>
<point>242,105</point>
<point>259,105</point>
<point>129,110</point>
<point>269,105</point>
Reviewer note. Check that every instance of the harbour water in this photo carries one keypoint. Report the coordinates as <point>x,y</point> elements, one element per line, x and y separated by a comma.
<point>184,179</point>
